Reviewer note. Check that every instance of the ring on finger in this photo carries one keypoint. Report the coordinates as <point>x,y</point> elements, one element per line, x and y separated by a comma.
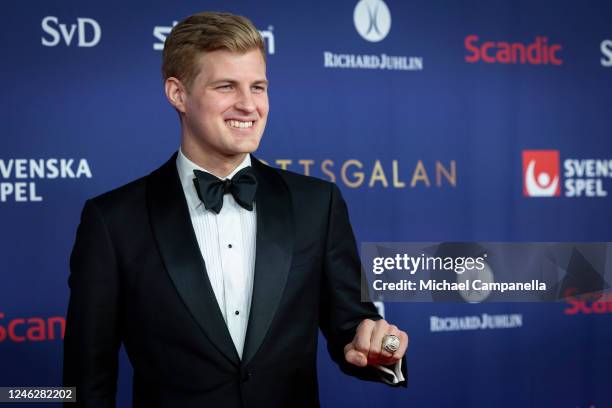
<point>391,343</point>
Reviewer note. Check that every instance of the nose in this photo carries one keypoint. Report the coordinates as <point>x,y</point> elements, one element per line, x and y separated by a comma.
<point>245,102</point>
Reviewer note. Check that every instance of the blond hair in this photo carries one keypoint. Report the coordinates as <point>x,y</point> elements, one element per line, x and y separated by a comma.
<point>202,32</point>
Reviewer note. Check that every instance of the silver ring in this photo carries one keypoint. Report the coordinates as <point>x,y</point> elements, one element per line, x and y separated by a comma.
<point>391,343</point>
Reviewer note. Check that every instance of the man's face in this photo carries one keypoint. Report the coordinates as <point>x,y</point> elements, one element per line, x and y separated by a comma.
<point>225,110</point>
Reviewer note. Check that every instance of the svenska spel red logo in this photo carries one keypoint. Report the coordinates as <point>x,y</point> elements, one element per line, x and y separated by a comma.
<point>541,176</point>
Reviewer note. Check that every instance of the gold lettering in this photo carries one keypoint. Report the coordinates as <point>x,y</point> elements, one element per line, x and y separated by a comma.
<point>306,163</point>
<point>378,174</point>
<point>283,163</point>
<point>324,168</point>
<point>358,174</point>
<point>419,175</point>
<point>450,176</point>
<point>397,183</point>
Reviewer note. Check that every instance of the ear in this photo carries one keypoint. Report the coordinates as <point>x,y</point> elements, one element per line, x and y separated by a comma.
<point>175,93</point>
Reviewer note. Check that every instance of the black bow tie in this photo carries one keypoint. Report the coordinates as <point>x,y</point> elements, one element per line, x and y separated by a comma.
<point>212,189</point>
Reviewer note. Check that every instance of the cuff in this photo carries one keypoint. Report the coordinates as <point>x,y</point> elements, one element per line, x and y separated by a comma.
<point>391,375</point>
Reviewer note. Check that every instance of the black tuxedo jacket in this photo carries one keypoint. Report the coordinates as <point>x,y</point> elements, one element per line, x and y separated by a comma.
<point>138,277</point>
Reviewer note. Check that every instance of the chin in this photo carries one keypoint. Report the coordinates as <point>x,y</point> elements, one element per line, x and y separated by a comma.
<point>237,150</point>
<point>247,147</point>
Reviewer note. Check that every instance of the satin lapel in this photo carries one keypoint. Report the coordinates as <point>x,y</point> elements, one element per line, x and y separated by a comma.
<point>274,247</point>
<point>181,255</point>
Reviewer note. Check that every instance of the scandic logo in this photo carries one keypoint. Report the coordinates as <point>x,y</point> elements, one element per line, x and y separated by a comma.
<point>590,303</point>
<point>539,52</point>
<point>21,329</point>
<point>541,173</point>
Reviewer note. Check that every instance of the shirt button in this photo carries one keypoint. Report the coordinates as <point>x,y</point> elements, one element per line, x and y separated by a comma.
<point>236,313</point>
<point>229,246</point>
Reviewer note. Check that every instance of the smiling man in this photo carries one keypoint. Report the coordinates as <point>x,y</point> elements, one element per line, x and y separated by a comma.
<point>216,271</point>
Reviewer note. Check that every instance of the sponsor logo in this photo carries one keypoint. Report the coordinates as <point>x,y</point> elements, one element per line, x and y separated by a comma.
<point>592,303</point>
<point>581,177</point>
<point>29,170</point>
<point>354,173</point>
<point>86,31</point>
<point>372,20</point>
<point>21,329</point>
<point>161,33</point>
<point>606,50</point>
<point>539,52</point>
<point>482,322</point>
<point>541,173</point>
<point>382,61</point>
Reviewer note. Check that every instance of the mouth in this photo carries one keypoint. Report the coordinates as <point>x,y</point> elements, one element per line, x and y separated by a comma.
<point>239,124</point>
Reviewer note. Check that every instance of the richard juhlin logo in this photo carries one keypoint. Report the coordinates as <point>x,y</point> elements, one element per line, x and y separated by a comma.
<point>372,20</point>
<point>541,173</point>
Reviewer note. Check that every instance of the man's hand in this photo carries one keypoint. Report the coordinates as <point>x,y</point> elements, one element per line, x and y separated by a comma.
<point>366,347</point>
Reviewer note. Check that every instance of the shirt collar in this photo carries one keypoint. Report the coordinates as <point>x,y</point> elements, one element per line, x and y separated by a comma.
<point>185,169</point>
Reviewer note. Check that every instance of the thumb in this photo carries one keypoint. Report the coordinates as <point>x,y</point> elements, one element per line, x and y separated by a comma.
<point>352,356</point>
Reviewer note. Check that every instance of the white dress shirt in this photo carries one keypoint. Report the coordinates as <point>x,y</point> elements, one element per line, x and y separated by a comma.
<point>227,243</point>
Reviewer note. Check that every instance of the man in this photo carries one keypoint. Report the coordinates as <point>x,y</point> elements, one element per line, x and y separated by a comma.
<point>216,271</point>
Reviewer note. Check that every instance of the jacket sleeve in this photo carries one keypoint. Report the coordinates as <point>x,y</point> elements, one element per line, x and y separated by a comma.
<point>92,339</point>
<point>341,308</point>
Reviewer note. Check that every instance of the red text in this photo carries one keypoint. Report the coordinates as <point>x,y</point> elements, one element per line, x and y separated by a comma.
<point>32,329</point>
<point>592,303</point>
<point>537,53</point>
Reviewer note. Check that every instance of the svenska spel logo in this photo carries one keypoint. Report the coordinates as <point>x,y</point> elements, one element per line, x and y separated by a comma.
<point>581,177</point>
<point>541,173</point>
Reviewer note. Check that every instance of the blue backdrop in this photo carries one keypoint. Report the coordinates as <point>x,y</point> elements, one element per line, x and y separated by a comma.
<point>424,113</point>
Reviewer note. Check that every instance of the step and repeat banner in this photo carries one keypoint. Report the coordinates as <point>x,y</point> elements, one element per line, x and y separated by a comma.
<point>471,121</point>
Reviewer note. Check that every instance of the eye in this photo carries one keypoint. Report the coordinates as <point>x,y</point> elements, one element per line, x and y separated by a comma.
<point>224,87</point>
<point>259,88</point>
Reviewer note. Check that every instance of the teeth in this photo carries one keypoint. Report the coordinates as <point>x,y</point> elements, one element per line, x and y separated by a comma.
<point>240,124</point>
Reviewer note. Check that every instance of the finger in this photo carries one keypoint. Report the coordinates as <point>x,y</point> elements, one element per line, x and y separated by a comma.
<point>354,357</point>
<point>361,341</point>
<point>404,340</point>
<point>376,352</point>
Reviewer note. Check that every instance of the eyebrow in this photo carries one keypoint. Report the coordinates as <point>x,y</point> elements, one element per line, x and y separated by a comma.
<point>232,81</point>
